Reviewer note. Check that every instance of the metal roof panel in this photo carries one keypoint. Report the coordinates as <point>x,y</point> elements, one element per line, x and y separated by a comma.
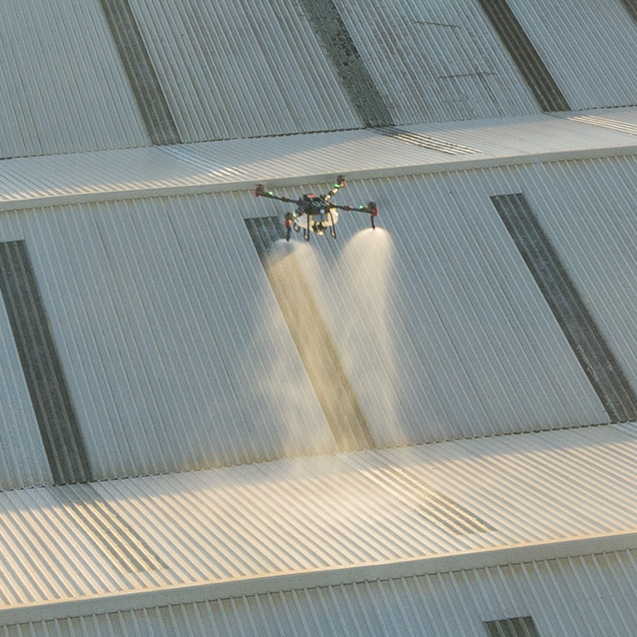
<point>315,515</point>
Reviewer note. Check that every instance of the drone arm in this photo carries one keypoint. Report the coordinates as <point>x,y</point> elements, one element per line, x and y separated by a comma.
<point>340,183</point>
<point>370,208</point>
<point>260,191</point>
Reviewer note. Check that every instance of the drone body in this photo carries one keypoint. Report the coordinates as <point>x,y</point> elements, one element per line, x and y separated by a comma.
<point>315,213</point>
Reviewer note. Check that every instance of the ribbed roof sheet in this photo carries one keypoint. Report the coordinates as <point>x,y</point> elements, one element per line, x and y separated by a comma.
<point>436,61</point>
<point>241,68</point>
<point>236,164</point>
<point>178,355</point>
<point>151,300</point>
<point>63,86</point>
<point>587,45</point>
<point>234,70</point>
<point>598,252</point>
<point>314,515</point>
<point>585,596</point>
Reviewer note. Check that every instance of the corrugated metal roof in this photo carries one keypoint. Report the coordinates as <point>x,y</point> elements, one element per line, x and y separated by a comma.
<point>317,514</point>
<point>597,253</point>
<point>451,339</point>
<point>479,350</point>
<point>587,45</point>
<point>152,334</point>
<point>436,61</point>
<point>237,164</point>
<point>440,326</point>
<point>586,596</point>
<point>63,86</point>
<point>241,69</point>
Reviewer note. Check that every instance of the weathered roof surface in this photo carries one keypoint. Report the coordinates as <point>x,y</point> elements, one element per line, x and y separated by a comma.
<point>315,516</point>
<point>151,327</point>
<point>587,46</point>
<point>444,334</point>
<point>102,75</point>
<point>179,345</point>
<point>242,69</point>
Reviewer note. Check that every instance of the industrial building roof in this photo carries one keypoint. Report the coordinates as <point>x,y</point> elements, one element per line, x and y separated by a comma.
<point>427,429</point>
<point>582,596</point>
<point>239,164</point>
<point>316,521</point>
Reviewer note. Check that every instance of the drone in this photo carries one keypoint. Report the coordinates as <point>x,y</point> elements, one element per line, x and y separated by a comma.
<point>316,213</point>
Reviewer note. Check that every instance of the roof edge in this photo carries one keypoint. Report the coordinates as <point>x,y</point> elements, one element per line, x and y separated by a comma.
<point>178,170</point>
<point>249,586</point>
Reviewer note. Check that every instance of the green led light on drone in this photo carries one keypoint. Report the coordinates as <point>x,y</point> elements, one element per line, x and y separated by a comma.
<point>270,192</point>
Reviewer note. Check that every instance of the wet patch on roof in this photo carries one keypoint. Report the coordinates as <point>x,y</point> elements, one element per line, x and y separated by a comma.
<point>312,337</point>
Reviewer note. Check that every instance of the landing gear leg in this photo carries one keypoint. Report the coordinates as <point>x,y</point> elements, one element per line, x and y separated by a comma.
<point>306,230</point>
<point>331,218</point>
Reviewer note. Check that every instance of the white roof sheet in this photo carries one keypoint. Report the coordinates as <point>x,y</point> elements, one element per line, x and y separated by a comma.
<point>63,87</point>
<point>588,46</point>
<point>462,343</point>
<point>256,68</point>
<point>320,515</point>
<point>241,68</point>
<point>439,60</point>
<point>178,354</point>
